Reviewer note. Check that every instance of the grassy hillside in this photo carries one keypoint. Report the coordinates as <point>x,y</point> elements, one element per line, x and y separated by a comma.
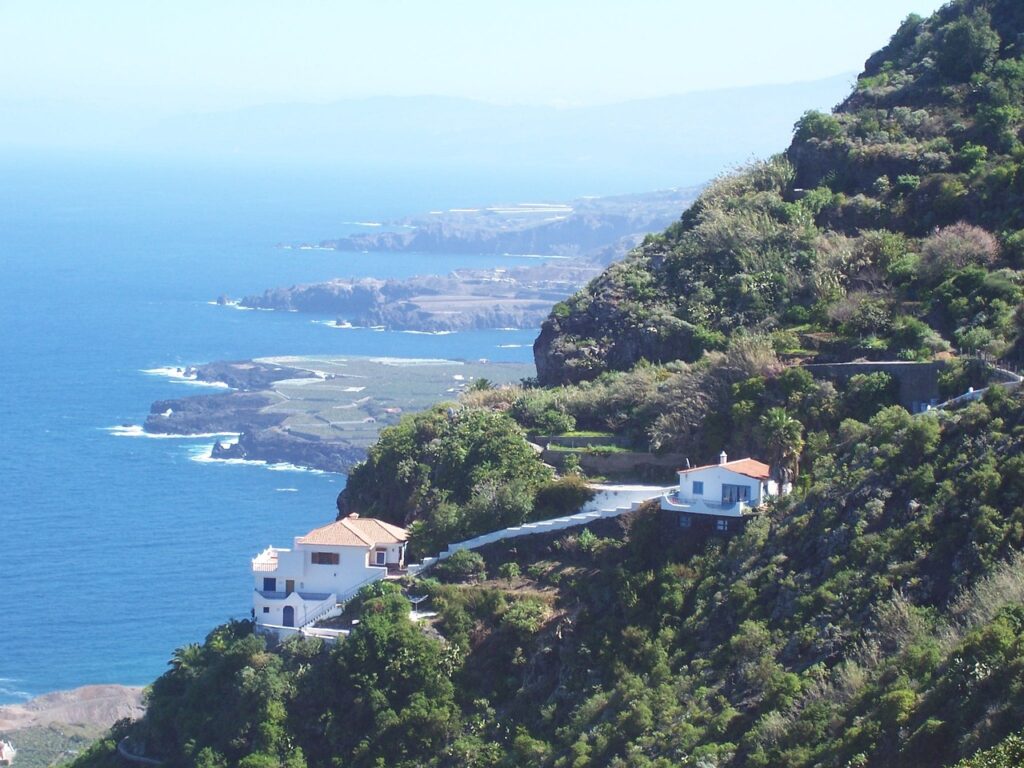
<point>874,617</point>
<point>889,228</point>
<point>877,620</point>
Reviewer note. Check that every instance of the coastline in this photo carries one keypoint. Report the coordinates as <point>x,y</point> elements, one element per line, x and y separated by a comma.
<point>57,725</point>
<point>305,413</point>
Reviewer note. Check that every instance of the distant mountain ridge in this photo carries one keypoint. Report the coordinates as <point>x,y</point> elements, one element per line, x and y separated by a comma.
<point>648,144</point>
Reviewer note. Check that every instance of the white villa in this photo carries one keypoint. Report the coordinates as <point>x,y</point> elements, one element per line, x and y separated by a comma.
<point>295,587</point>
<point>728,489</point>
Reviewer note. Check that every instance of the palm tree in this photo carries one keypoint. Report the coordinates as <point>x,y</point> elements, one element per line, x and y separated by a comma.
<point>783,437</point>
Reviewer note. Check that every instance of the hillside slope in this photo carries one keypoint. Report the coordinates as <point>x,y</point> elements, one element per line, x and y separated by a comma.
<point>877,621</point>
<point>891,227</point>
<point>872,618</point>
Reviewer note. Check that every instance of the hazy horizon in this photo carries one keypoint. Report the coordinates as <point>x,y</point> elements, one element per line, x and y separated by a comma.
<point>187,57</point>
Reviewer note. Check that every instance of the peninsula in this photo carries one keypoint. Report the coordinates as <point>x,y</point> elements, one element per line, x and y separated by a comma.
<point>316,412</point>
<point>580,237</point>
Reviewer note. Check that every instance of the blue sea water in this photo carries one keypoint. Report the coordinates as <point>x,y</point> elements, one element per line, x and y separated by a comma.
<point>116,550</point>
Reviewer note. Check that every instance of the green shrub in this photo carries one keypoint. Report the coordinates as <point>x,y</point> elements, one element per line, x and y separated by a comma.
<point>563,496</point>
<point>464,565</point>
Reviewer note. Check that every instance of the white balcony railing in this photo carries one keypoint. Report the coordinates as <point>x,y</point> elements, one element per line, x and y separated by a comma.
<point>700,506</point>
<point>266,561</point>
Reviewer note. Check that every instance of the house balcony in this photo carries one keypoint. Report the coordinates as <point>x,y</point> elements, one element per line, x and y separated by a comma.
<point>266,561</point>
<point>700,506</point>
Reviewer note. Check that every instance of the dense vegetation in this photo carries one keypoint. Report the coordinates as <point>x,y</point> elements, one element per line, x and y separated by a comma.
<point>876,621</point>
<point>891,228</point>
<point>453,472</point>
<point>875,617</point>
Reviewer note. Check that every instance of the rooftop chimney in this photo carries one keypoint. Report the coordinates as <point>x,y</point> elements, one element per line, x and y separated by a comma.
<point>723,457</point>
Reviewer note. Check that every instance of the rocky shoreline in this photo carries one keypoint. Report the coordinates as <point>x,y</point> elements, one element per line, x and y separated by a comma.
<point>466,300</point>
<point>285,410</point>
<point>580,238</point>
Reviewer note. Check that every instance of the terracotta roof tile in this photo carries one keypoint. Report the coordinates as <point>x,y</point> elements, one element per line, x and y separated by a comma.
<point>355,532</point>
<point>749,467</point>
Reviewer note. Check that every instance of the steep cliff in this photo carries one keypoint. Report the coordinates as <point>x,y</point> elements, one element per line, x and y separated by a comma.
<point>891,227</point>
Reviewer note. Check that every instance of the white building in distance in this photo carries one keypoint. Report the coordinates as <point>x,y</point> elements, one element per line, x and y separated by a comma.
<point>295,587</point>
<point>728,489</point>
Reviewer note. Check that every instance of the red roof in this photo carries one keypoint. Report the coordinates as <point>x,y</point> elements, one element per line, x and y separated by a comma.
<point>355,531</point>
<point>749,467</point>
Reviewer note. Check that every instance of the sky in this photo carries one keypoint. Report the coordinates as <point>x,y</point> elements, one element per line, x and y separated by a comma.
<point>209,55</point>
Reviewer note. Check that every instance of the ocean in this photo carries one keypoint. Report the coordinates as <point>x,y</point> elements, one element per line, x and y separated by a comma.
<point>115,550</point>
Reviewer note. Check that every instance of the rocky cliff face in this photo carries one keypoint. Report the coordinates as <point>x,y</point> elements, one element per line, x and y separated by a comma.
<point>276,445</point>
<point>465,300</point>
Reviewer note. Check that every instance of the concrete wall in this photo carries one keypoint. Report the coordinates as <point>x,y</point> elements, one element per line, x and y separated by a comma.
<point>614,496</point>
<point>918,382</point>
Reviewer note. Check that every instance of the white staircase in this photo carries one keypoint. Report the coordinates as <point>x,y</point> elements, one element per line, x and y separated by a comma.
<point>609,501</point>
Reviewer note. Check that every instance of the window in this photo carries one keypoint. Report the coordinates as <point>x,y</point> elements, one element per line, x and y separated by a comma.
<point>685,521</point>
<point>722,525</point>
<point>381,557</point>
<point>269,584</point>
<point>698,487</point>
<point>325,558</point>
<point>266,609</point>
<point>733,493</point>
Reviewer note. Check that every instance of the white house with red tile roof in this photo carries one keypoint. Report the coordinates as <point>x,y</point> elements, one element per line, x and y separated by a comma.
<point>723,490</point>
<point>295,587</point>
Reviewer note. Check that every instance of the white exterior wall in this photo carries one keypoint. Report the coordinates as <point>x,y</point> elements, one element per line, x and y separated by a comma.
<point>613,496</point>
<point>715,477</point>
<point>394,554</point>
<point>352,571</point>
<point>275,608</point>
<point>352,568</point>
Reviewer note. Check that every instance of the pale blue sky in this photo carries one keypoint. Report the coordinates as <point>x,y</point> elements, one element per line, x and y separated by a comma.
<point>188,55</point>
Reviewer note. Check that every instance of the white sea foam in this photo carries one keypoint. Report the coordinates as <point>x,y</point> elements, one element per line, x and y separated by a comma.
<point>430,333</point>
<point>231,304</point>
<point>204,455</point>
<point>134,430</point>
<point>510,346</point>
<point>343,326</point>
<point>179,376</point>
<point>14,692</point>
<point>198,383</point>
<point>287,490</point>
<point>400,361</point>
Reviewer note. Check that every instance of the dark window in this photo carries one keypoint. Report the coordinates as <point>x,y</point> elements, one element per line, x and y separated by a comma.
<point>733,493</point>
<point>266,609</point>
<point>269,584</point>
<point>381,558</point>
<point>698,487</point>
<point>722,525</point>
<point>325,558</point>
<point>685,521</point>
